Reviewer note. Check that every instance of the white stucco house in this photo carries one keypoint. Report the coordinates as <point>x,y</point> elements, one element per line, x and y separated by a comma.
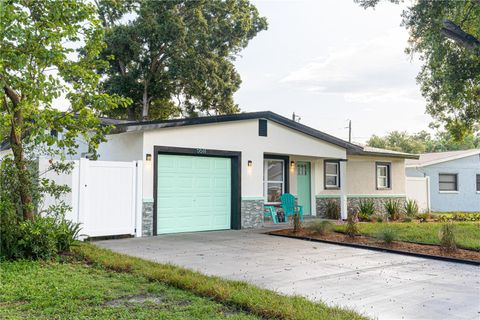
<point>454,178</point>
<point>217,172</point>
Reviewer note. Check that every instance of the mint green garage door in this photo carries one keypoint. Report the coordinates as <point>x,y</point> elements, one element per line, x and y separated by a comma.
<point>193,193</point>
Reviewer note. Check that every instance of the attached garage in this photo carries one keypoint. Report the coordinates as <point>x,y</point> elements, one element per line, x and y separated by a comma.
<point>194,191</point>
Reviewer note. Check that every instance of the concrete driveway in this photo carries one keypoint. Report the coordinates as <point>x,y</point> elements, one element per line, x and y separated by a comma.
<point>380,285</point>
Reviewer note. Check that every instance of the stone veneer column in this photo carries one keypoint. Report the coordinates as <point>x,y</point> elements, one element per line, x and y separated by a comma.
<point>252,213</point>
<point>147,218</point>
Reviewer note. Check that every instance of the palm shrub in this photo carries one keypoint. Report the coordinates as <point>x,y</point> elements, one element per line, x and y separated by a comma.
<point>332,209</point>
<point>411,207</point>
<point>366,209</point>
<point>321,227</point>
<point>447,237</point>
<point>392,207</point>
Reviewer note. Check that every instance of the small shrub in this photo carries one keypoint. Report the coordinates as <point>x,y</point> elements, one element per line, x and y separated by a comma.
<point>447,237</point>
<point>352,229</point>
<point>392,207</point>
<point>407,219</point>
<point>332,209</point>
<point>387,235</point>
<point>379,219</point>
<point>423,217</point>
<point>411,207</point>
<point>321,227</point>
<point>297,223</point>
<point>366,208</point>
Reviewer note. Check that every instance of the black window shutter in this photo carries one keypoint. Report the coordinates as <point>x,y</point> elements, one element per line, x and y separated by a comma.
<point>262,127</point>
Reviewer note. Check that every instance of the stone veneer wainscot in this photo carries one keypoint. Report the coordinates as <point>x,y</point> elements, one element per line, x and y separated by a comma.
<point>354,200</point>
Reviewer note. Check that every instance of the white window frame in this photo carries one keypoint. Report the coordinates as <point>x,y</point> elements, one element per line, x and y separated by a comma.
<point>456,182</point>
<point>266,182</point>
<point>387,177</point>
<point>337,175</point>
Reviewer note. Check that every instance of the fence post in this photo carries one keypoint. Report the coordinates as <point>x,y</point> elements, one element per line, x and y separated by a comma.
<point>83,195</point>
<point>139,199</point>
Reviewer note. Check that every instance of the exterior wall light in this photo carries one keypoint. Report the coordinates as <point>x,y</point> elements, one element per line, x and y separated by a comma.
<point>292,164</point>
<point>249,163</point>
<point>148,157</point>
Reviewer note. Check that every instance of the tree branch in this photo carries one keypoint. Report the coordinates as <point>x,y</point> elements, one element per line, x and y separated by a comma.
<point>451,31</point>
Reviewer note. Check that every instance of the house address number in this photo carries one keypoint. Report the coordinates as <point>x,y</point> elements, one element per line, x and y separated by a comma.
<point>201,151</point>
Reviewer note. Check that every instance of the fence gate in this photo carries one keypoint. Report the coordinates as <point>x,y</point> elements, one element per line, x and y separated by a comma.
<point>418,189</point>
<point>105,196</point>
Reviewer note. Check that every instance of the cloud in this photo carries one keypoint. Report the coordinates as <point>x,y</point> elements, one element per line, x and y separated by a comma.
<point>374,70</point>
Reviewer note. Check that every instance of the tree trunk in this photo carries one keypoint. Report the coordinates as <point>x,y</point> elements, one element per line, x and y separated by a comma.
<point>16,135</point>
<point>145,101</point>
<point>131,113</point>
<point>21,165</point>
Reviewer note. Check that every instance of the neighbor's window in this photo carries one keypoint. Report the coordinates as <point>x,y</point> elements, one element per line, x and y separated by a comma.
<point>332,174</point>
<point>383,176</point>
<point>273,180</point>
<point>478,182</point>
<point>447,182</point>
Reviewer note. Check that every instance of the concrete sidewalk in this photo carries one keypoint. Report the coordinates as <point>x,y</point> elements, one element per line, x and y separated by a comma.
<point>380,285</point>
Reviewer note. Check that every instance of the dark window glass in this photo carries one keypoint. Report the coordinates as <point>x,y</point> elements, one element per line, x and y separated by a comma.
<point>262,127</point>
<point>447,182</point>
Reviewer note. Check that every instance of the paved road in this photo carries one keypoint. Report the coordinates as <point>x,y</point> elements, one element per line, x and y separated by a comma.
<point>380,285</point>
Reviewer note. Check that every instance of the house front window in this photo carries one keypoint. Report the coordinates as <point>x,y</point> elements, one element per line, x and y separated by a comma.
<point>447,182</point>
<point>332,175</point>
<point>478,182</point>
<point>273,180</point>
<point>383,175</point>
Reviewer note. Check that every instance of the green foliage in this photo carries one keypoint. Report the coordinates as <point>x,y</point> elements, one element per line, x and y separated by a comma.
<point>393,209</point>
<point>423,142</point>
<point>446,36</point>
<point>458,216</point>
<point>410,207</point>
<point>466,233</point>
<point>407,219</point>
<point>351,229</point>
<point>176,57</point>
<point>423,217</point>
<point>366,209</point>
<point>447,237</point>
<point>332,209</point>
<point>387,234</point>
<point>320,227</point>
<point>379,218</point>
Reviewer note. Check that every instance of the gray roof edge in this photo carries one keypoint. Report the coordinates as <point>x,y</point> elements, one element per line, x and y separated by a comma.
<point>384,154</point>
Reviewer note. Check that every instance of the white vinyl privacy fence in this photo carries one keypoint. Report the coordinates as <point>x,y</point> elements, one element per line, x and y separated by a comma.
<point>105,196</point>
<point>418,189</point>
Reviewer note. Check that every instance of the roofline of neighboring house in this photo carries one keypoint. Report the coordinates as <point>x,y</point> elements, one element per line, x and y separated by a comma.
<point>451,158</point>
<point>384,154</point>
<point>268,115</point>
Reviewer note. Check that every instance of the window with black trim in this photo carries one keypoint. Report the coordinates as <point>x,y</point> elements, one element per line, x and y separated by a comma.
<point>383,175</point>
<point>448,182</point>
<point>478,182</point>
<point>273,180</point>
<point>331,174</point>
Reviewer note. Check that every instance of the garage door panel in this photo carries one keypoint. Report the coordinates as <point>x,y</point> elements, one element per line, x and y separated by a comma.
<point>194,193</point>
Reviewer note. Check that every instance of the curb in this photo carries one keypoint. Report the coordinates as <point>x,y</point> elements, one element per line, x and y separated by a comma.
<point>362,246</point>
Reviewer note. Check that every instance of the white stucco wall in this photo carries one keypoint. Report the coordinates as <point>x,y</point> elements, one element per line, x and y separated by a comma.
<point>122,147</point>
<point>239,136</point>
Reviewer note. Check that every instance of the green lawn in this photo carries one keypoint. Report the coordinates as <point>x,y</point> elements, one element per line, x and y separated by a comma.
<point>467,234</point>
<point>100,284</point>
<point>35,290</point>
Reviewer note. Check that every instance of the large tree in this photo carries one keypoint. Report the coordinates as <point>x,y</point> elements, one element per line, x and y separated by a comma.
<point>446,36</point>
<point>48,49</point>
<point>176,56</point>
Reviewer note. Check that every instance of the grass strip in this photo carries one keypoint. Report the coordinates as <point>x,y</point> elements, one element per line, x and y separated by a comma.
<point>260,302</point>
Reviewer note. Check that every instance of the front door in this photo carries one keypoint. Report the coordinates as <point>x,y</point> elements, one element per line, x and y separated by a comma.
<point>303,186</point>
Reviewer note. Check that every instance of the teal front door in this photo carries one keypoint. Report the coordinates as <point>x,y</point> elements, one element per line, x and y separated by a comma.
<point>193,193</point>
<point>304,186</point>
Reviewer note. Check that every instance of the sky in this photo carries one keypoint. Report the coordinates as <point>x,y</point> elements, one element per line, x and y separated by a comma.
<point>331,61</point>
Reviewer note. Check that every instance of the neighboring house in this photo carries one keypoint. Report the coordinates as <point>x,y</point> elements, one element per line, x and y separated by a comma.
<point>213,173</point>
<point>454,179</point>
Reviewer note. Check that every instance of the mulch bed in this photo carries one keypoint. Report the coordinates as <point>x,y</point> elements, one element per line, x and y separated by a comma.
<point>432,250</point>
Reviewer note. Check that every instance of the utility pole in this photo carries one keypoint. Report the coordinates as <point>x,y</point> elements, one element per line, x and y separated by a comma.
<point>349,131</point>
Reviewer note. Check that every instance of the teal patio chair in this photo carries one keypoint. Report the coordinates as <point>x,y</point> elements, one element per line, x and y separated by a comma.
<point>270,212</point>
<point>289,206</point>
